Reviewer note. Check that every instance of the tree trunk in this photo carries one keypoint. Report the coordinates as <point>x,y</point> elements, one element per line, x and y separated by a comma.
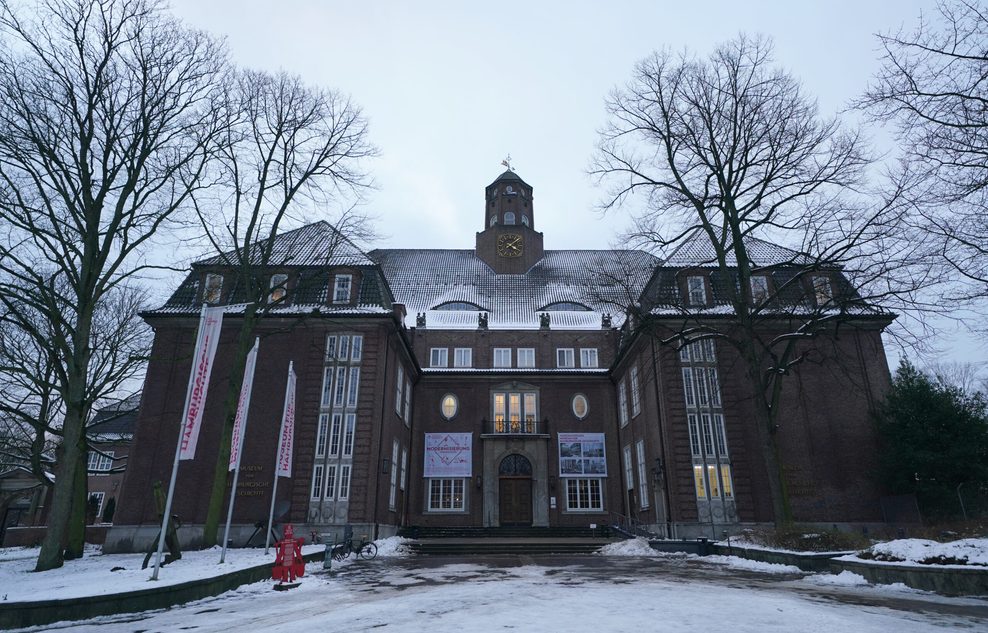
<point>63,493</point>
<point>76,540</point>
<point>221,473</point>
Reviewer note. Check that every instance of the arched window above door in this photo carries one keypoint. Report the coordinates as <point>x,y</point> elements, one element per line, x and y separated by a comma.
<point>515,465</point>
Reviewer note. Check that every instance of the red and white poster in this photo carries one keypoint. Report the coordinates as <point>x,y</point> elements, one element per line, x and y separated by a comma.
<point>210,324</point>
<point>287,429</point>
<point>448,455</point>
<point>240,421</point>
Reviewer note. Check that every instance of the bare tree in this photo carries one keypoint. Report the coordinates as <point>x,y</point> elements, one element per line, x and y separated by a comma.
<point>289,153</point>
<point>105,123</point>
<point>933,88</point>
<point>729,154</point>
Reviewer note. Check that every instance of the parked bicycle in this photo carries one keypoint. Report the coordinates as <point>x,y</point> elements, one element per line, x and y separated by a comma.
<point>363,548</point>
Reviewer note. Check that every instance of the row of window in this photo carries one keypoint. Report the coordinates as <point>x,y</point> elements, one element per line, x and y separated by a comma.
<point>449,495</point>
<point>636,396</point>
<point>510,408</point>
<point>759,287</point>
<point>705,420</point>
<point>100,461</point>
<point>403,396</point>
<point>331,482</point>
<point>277,288</point>
<point>397,482</point>
<point>463,357</point>
<point>509,219</point>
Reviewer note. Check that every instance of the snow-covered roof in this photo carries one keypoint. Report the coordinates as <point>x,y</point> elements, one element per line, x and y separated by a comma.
<point>316,244</point>
<point>697,251</point>
<point>423,279</point>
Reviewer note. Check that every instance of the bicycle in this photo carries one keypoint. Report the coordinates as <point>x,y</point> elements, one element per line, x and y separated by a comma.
<point>363,549</point>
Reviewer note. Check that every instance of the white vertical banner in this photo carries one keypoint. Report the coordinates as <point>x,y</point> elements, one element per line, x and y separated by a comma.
<point>287,429</point>
<point>236,442</point>
<point>210,324</point>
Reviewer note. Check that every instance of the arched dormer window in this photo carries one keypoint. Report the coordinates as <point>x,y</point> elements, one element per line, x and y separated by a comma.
<point>509,217</point>
<point>493,220</point>
<point>524,219</point>
<point>565,306</point>
<point>459,305</point>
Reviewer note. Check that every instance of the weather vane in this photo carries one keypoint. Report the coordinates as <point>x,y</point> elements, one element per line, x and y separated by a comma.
<point>507,163</point>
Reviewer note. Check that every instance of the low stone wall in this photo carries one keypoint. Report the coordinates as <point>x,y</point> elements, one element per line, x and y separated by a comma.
<point>23,614</point>
<point>950,581</point>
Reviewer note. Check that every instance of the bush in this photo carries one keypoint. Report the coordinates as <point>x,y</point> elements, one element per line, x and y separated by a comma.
<point>799,540</point>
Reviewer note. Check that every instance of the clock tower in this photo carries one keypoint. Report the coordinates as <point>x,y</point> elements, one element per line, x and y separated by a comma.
<point>509,243</point>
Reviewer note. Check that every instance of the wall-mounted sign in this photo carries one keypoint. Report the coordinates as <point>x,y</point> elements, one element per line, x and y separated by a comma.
<point>582,455</point>
<point>448,455</point>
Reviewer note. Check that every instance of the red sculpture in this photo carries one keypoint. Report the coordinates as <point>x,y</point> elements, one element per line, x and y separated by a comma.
<point>288,562</point>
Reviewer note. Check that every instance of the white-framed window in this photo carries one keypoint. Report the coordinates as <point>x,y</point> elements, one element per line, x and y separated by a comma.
<point>344,482</point>
<point>446,495</point>
<point>404,469</point>
<point>580,406</point>
<point>278,288</point>
<point>344,350</point>
<point>354,387</point>
<point>565,357</point>
<point>408,402</point>
<point>588,357</point>
<point>509,217</point>
<point>340,386</point>
<point>100,461</point>
<point>438,357</point>
<point>336,434</point>
<point>349,427</point>
<point>341,288</point>
<point>629,477</point>
<point>463,357</point>
<point>623,403</point>
<point>98,497</point>
<point>449,406</point>
<point>502,357</point>
<point>317,475</point>
<point>357,348</point>
<point>699,481</point>
<point>759,288</point>
<point>822,290</point>
<point>515,411</point>
<point>399,390</point>
<point>213,291</point>
<point>584,495</point>
<point>642,475</point>
<point>636,393</point>
<point>526,357</point>
<point>705,420</point>
<point>322,434</point>
<point>393,490</point>
<point>696,289</point>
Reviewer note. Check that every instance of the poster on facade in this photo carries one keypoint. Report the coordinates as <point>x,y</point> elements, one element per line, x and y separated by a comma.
<point>448,455</point>
<point>582,455</point>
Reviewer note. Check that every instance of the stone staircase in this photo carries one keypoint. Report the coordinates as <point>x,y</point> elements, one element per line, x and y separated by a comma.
<point>479,541</point>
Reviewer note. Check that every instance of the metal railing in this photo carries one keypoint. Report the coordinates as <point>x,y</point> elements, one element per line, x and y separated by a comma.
<point>516,426</point>
<point>630,526</point>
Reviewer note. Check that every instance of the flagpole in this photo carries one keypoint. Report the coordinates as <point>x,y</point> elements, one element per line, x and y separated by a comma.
<point>240,443</point>
<point>277,458</point>
<point>178,451</point>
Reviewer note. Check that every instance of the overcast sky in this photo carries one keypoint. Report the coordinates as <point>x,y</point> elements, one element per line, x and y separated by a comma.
<point>451,88</point>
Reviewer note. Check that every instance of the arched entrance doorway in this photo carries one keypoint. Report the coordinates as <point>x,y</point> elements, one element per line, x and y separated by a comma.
<point>515,490</point>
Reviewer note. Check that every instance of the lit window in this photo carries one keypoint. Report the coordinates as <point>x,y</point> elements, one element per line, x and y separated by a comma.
<point>636,394</point>
<point>502,357</point>
<point>341,289</point>
<point>446,495</point>
<point>449,406</point>
<point>526,357</point>
<point>463,357</point>
<point>509,217</point>
<point>438,357</point>
<point>759,288</point>
<point>588,357</point>
<point>701,488</point>
<point>822,290</point>
<point>565,357</point>
<point>583,494</point>
<point>213,291</point>
<point>278,287</point>
<point>696,287</point>
<point>580,406</point>
<point>515,412</point>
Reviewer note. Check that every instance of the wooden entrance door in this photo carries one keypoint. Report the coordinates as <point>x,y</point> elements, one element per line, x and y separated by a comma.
<point>515,501</point>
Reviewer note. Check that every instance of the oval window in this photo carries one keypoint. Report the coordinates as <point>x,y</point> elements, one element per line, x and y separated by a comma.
<point>580,406</point>
<point>449,406</point>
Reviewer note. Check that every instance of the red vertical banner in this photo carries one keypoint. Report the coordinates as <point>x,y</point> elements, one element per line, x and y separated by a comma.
<point>287,429</point>
<point>239,422</point>
<point>210,325</point>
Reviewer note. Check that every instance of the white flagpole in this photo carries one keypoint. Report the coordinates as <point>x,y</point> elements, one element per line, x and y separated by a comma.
<point>277,459</point>
<point>245,403</point>
<point>178,450</point>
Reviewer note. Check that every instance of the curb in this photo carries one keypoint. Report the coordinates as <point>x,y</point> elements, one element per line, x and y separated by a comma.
<point>15,615</point>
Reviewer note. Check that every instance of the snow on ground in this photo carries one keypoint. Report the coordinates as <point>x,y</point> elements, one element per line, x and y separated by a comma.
<point>751,565</point>
<point>593,595</point>
<point>915,550</point>
<point>629,547</point>
<point>92,574</point>
<point>843,579</point>
<point>393,546</point>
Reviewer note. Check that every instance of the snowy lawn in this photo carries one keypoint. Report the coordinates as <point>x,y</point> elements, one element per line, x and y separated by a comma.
<point>592,594</point>
<point>970,552</point>
<point>93,574</point>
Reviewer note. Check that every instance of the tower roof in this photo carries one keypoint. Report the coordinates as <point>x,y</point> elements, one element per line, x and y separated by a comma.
<point>509,176</point>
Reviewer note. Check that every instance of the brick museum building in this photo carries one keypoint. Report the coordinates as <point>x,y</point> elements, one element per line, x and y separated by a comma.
<point>501,385</point>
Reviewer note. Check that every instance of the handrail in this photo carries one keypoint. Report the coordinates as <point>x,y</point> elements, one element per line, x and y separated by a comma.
<point>630,526</point>
<point>515,427</point>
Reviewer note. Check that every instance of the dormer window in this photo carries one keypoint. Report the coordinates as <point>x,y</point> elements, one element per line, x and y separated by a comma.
<point>822,289</point>
<point>278,287</point>
<point>213,291</point>
<point>759,288</point>
<point>565,306</point>
<point>341,288</point>
<point>509,217</point>
<point>696,290</point>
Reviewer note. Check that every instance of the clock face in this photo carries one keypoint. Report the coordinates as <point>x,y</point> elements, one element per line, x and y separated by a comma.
<point>509,245</point>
